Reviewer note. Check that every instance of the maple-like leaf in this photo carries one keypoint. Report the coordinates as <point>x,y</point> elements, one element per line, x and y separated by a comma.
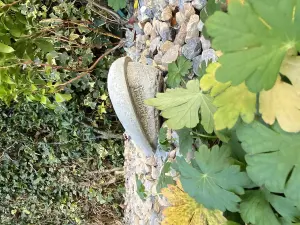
<point>117,4</point>
<point>256,208</point>
<point>181,107</point>
<point>273,158</point>
<point>232,102</point>
<point>282,102</point>
<point>254,37</point>
<point>177,70</point>
<point>212,179</point>
<point>184,210</point>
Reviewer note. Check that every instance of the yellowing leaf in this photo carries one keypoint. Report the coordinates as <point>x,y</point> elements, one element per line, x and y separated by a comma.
<point>186,211</point>
<point>232,101</point>
<point>291,69</point>
<point>282,103</point>
<point>181,107</point>
<point>209,82</point>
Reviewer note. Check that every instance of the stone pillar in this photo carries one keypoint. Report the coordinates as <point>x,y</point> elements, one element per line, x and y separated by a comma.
<point>129,84</point>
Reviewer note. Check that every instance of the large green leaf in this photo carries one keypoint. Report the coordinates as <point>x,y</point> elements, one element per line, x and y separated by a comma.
<point>254,37</point>
<point>273,158</point>
<point>212,179</point>
<point>181,107</point>
<point>5,48</point>
<point>256,208</point>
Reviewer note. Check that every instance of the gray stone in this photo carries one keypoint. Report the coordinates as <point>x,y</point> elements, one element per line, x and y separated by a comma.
<point>148,28</point>
<point>199,4</point>
<point>140,41</point>
<point>188,10</point>
<point>209,55</point>
<point>166,14</point>
<point>157,58</point>
<point>174,2</point>
<point>192,30</point>
<point>155,44</point>
<point>144,14</point>
<point>192,48</point>
<point>205,43</point>
<point>129,84</point>
<point>200,26</point>
<point>129,38</point>
<point>171,55</point>
<point>166,46</point>
<point>164,31</point>
<point>180,37</point>
<point>196,63</point>
<point>180,18</point>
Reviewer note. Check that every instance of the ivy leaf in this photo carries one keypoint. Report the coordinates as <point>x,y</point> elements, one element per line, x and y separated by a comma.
<point>5,48</point>
<point>259,40</point>
<point>44,45</point>
<point>181,107</point>
<point>117,4</point>
<point>62,97</point>
<point>282,102</point>
<point>177,70</point>
<point>185,141</point>
<point>272,151</point>
<point>232,102</point>
<point>185,210</point>
<point>164,179</point>
<point>213,181</point>
<point>162,138</point>
<point>256,208</point>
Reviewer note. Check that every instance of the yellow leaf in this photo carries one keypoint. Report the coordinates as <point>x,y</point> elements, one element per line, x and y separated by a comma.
<point>209,82</point>
<point>282,102</point>
<point>184,210</point>
<point>232,101</point>
<point>290,67</point>
<point>136,4</point>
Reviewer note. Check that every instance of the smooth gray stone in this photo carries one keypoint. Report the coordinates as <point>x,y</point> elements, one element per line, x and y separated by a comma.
<point>129,84</point>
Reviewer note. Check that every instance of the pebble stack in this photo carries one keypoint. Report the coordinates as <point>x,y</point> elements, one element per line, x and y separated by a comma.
<point>165,30</point>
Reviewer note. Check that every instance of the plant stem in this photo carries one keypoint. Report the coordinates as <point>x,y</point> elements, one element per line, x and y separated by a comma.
<point>204,135</point>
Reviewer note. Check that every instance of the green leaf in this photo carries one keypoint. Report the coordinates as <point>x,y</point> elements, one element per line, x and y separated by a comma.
<point>254,37</point>
<point>256,208</point>
<point>213,181</point>
<point>181,107</point>
<point>185,141</point>
<point>140,188</point>
<point>5,48</point>
<point>164,179</point>
<point>232,101</point>
<point>271,151</point>
<point>117,4</point>
<point>62,97</point>
<point>177,70</point>
<point>163,140</point>
<point>45,45</point>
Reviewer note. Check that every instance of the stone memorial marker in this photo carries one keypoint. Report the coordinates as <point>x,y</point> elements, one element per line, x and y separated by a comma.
<point>129,84</point>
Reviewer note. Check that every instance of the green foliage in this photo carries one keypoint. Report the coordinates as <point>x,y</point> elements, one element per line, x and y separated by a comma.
<point>268,148</point>
<point>52,151</point>
<point>140,188</point>
<point>117,4</point>
<point>185,141</point>
<point>177,70</point>
<point>181,107</point>
<point>164,180</point>
<point>212,179</point>
<point>46,159</point>
<point>251,173</point>
<point>256,208</point>
<point>259,40</point>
